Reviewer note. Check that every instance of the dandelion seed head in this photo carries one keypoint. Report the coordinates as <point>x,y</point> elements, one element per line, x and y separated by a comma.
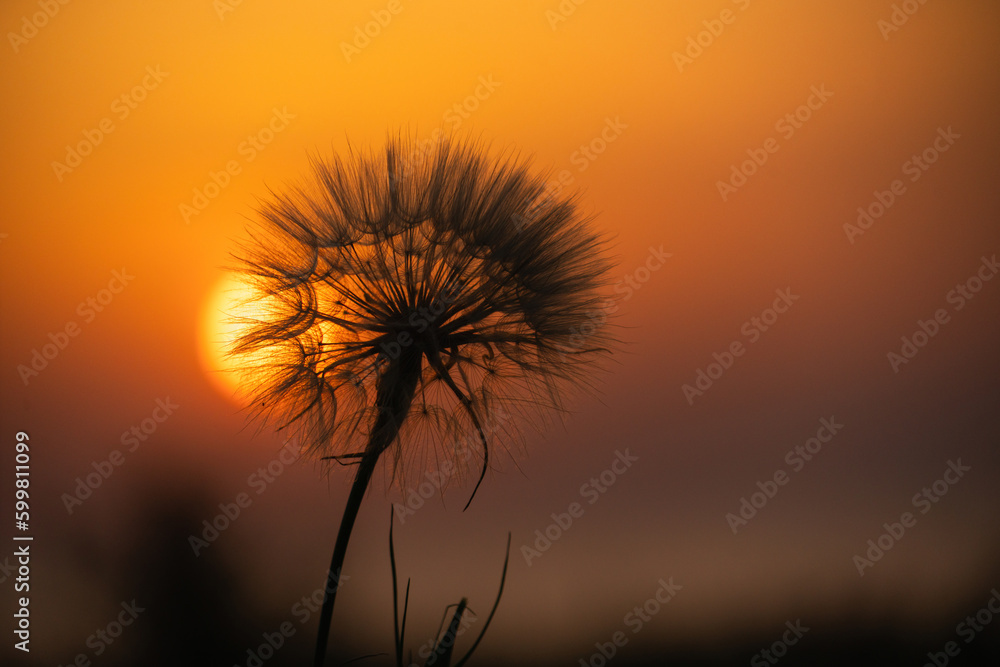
<point>445,287</point>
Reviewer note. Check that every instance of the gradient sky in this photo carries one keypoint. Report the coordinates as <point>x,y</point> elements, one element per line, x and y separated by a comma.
<point>260,88</point>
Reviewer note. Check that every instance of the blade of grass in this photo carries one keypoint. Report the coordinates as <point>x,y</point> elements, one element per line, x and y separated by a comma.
<point>399,631</point>
<point>489,618</point>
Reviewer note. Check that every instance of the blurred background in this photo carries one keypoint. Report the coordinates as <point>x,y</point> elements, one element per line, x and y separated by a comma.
<point>741,138</point>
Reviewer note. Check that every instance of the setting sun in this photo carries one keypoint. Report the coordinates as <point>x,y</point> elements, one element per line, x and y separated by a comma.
<point>219,327</point>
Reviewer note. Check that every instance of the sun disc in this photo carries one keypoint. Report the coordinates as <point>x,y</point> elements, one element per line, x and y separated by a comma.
<point>219,328</point>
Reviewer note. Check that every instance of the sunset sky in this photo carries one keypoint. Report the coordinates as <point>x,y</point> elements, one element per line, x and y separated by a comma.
<point>804,205</point>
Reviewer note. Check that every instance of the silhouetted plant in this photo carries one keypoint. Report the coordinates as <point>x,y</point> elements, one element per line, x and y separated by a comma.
<point>444,647</point>
<point>407,297</point>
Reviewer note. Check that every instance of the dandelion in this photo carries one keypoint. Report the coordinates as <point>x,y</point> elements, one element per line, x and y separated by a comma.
<point>409,298</point>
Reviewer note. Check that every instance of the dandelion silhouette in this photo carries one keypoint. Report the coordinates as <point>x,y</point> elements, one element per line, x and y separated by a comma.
<point>406,299</point>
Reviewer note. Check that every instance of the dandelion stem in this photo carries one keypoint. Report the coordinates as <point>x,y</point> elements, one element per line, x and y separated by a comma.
<point>364,475</point>
<point>396,389</point>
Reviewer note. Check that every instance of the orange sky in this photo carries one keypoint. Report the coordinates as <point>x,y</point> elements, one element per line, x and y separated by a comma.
<point>166,98</point>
